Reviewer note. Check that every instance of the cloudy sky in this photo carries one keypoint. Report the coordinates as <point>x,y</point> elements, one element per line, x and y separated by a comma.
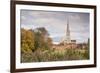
<point>56,23</point>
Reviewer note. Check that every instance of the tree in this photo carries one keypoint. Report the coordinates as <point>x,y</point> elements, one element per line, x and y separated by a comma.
<point>42,39</point>
<point>27,41</point>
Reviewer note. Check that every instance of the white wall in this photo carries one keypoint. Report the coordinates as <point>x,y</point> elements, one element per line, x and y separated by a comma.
<point>5,36</point>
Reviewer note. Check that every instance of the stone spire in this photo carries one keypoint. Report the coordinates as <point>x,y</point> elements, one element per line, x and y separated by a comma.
<point>68,32</point>
<point>67,39</point>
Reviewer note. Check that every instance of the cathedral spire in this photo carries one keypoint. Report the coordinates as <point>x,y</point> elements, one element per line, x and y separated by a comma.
<point>68,31</point>
<point>67,38</point>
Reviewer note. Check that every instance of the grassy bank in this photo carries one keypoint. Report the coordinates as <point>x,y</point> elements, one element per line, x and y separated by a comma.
<point>55,55</point>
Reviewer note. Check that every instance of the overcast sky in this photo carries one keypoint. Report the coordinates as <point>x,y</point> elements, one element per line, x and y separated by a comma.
<point>56,23</point>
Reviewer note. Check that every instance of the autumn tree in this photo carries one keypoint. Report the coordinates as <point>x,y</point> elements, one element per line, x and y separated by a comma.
<point>27,41</point>
<point>42,39</point>
<point>33,43</point>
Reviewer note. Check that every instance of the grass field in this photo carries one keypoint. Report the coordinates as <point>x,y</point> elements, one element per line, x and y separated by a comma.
<point>55,55</point>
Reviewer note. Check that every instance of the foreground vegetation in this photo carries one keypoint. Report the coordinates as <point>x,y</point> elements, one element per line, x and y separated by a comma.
<point>55,55</point>
<point>36,47</point>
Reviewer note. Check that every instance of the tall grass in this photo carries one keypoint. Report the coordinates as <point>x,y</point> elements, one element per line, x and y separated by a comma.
<point>55,55</point>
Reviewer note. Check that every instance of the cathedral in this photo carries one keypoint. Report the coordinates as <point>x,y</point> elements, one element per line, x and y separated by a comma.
<point>67,42</point>
<point>67,38</point>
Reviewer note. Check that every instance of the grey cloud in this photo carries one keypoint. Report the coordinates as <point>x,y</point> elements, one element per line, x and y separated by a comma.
<point>56,22</point>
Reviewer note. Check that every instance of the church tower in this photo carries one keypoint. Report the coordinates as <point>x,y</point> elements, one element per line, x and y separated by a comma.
<point>68,32</point>
<point>67,39</point>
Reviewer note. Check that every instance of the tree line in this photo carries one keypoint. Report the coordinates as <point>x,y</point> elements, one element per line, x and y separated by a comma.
<point>32,40</point>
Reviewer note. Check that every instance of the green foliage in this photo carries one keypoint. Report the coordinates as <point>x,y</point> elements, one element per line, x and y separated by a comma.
<point>32,40</point>
<point>55,55</point>
<point>36,46</point>
<point>42,39</point>
<point>86,54</point>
